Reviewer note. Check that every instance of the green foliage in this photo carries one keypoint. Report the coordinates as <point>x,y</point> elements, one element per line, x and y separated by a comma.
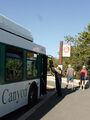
<point>80,51</point>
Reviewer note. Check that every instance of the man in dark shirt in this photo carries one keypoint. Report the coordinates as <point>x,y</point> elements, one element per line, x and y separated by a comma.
<point>58,80</point>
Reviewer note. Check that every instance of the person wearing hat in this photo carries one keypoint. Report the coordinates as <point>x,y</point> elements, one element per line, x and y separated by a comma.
<point>58,79</point>
<point>83,77</point>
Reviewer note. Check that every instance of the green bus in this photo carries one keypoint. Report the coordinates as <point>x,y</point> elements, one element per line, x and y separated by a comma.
<point>23,67</point>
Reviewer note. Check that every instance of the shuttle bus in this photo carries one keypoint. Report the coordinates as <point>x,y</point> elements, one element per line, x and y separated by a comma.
<point>23,67</point>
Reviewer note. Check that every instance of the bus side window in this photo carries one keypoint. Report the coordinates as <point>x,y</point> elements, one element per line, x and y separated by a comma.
<point>14,65</point>
<point>31,65</point>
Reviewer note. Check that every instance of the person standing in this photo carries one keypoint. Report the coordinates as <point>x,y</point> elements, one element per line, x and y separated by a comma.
<point>58,76</point>
<point>58,79</point>
<point>70,76</point>
<point>83,77</point>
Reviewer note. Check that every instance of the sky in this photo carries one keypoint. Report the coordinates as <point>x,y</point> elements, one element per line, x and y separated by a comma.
<point>49,21</point>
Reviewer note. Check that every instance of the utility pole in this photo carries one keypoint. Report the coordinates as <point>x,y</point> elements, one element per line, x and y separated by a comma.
<point>60,53</point>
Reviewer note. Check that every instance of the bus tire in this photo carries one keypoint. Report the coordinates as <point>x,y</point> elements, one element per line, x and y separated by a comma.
<point>33,95</point>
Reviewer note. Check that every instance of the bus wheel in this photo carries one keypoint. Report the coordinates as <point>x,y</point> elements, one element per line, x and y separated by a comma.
<point>33,96</point>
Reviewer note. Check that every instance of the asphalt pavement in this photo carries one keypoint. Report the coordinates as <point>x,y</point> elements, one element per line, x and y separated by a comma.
<point>73,105</point>
<point>43,99</point>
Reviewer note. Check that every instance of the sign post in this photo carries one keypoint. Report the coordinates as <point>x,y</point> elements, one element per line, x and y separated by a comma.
<point>60,53</point>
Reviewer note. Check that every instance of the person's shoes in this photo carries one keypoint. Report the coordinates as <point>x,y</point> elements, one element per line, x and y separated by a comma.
<point>81,87</point>
<point>59,94</point>
<point>66,86</point>
<point>84,87</point>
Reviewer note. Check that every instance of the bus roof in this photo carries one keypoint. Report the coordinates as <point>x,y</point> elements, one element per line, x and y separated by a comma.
<point>10,26</point>
<point>13,34</point>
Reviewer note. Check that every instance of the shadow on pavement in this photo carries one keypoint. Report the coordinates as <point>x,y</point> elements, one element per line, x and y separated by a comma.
<point>50,104</point>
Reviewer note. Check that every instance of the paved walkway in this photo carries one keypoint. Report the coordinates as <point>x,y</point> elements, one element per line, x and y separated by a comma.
<point>74,106</point>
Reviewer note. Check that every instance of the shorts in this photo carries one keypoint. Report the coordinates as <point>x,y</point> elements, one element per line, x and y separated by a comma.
<point>83,78</point>
<point>70,78</point>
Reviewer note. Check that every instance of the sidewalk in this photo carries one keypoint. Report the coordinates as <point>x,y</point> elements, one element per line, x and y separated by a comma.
<point>74,106</point>
<point>70,100</point>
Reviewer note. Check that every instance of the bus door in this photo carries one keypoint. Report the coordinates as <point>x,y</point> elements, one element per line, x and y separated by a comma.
<point>44,76</point>
<point>43,73</point>
<point>2,63</point>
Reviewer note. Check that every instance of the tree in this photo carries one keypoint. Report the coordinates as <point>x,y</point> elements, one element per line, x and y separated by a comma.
<point>80,50</point>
